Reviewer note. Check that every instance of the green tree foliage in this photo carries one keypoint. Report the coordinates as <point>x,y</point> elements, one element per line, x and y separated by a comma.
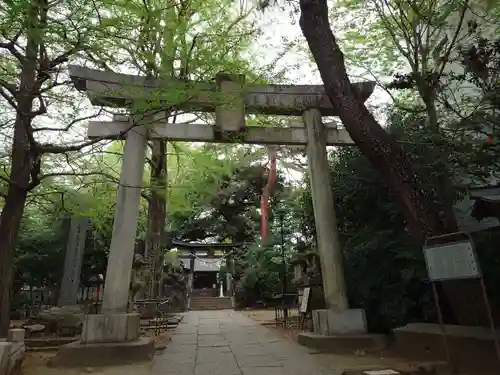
<point>38,103</point>
<point>37,39</point>
<point>260,276</point>
<point>218,202</point>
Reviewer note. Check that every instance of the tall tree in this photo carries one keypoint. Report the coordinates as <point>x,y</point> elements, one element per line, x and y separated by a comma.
<point>419,40</point>
<point>386,155</point>
<point>37,38</point>
<point>184,40</point>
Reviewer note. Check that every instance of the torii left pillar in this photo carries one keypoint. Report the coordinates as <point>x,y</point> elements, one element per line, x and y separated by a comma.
<point>112,336</point>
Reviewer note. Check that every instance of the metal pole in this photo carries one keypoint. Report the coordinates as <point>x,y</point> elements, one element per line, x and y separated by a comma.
<point>283,253</point>
<point>490,317</point>
<point>285,310</point>
<point>441,324</point>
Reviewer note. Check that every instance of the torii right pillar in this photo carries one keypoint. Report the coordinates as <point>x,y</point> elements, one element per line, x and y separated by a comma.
<point>337,318</point>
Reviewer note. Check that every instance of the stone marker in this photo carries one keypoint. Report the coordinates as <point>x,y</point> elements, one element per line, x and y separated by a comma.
<point>73,261</point>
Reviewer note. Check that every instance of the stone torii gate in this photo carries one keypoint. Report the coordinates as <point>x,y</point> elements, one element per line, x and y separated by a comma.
<point>230,98</point>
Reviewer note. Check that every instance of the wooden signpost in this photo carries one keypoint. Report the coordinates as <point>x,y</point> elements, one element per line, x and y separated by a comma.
<point>304,307</point>
<point>304,301</point>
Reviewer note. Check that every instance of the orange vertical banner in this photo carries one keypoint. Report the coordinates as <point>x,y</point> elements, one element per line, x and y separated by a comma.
<point>266,195</point>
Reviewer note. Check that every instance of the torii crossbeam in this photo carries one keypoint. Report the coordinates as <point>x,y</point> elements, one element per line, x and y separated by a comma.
<point>120,90</point>
<point>293,135</point>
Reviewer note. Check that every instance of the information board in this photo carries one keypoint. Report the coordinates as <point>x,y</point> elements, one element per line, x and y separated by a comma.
<point>305,300</point>
<point>455,260</point>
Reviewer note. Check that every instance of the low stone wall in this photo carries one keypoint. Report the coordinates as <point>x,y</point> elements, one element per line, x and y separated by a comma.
<point>12,352</point>
<point>472,349</point>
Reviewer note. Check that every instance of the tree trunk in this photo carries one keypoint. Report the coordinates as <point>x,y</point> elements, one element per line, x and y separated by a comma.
<point>157,215</point>
<point>422,217</point>
<point>9,227</point>
<point>386,155</point>
<point>444,185</point>
<point>24,159</point>
<point>10,219</point>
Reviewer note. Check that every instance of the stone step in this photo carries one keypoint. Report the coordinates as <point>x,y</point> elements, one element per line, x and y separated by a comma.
<point>410,368</point>
<point>472,349</point>
<point>343,343</point>
<point>44,342</point>
<point>211,299</point>
<point>210,303</point>
<point>43,349</point>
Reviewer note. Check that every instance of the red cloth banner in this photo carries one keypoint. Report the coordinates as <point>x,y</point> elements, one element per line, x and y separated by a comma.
<point>266,195</point>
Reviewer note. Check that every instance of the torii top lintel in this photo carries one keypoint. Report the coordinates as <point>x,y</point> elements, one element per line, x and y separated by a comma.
<point>120,90</point>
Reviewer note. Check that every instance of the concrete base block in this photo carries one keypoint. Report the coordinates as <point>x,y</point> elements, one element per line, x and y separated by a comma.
<point>109,328</point>
<point>5,348</point>
<point>343,343</point>
<point>78,354</point>
<point>331,322</point>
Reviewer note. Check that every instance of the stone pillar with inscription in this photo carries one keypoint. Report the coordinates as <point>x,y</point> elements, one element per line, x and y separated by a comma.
<point>75,249</point>
<point>337,318</point>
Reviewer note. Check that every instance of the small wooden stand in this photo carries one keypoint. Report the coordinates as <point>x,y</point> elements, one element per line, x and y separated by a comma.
<point>304,307</point>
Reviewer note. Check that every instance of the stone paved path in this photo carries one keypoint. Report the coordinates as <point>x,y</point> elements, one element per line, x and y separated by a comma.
<point>229,343</point>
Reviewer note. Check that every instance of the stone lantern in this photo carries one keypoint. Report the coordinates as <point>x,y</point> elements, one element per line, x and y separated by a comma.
<point>313,280</point>
<point>299,270</point>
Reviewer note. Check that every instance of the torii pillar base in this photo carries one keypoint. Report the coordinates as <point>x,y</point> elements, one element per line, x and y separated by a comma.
<point>107,340</point>
<point>342,331</point>
<point>342,322</point>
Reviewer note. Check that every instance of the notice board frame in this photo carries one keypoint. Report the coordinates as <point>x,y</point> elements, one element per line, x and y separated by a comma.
<point>453,243</point>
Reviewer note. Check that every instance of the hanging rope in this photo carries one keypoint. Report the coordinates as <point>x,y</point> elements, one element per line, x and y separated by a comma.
<point>266,195</point>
